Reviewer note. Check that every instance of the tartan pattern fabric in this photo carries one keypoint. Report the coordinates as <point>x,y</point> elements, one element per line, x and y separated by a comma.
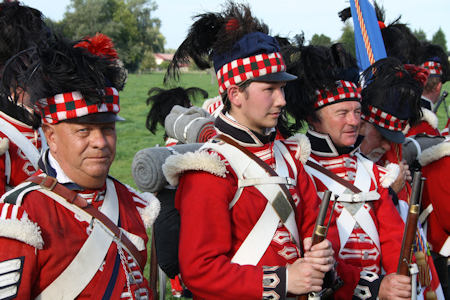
<point>243,69</point>
<point>345,91</point>
<point>72,105</point>
<point>384,119</point>
<point>434,67</point>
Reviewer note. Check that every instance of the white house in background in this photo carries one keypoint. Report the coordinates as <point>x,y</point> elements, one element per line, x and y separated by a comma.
<point>160,57</point>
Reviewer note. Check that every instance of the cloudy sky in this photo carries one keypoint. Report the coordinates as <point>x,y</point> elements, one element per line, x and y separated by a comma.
<point>284,17</point>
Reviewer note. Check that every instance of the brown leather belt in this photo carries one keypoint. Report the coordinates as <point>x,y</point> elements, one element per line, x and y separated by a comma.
<point>51,184</point>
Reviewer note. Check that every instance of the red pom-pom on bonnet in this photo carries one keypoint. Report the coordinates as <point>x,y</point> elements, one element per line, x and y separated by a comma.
<point>100,45</point>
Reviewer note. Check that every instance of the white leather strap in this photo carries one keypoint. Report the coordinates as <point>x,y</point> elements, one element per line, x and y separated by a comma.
<point>73,280</point>
<point>416,143</point>
<point>256,243</point>
<point>363,181</point>
<point>44,145</point>
<point>445,250</point>
<point>281,149</point>
<point>425,213</point>
<point>7,167</point>
<point>268,180</point>
<point>364,175</point>
<point>21,141</point>
<point>360,197</point>
<point>186,129</point>
<point>366,222</point>
<point>346,221</point>
<point>345,224</point>
<point>368,166</point>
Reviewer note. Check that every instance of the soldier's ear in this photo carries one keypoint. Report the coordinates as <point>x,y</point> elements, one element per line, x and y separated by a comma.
<point>49,132</point>
<point>233,93</point>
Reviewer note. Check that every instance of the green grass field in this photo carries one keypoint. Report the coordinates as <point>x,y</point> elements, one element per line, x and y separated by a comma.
<point>441,113</point>
<point>132,135</point>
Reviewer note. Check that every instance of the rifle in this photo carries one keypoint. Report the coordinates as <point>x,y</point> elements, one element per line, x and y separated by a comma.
<point>438,103</point>
<point>411,225</point>
<point>320,234</point>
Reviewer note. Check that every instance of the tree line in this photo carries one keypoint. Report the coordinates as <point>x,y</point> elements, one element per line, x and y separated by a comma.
<point>129,23</point>
<point>348,38</point>
<point>136,34</point>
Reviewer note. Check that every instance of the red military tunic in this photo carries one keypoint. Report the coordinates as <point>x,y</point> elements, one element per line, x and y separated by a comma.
<point>429,123</point>
<point>211,233</point>
<point>360,260</point>
<point>57,238</point>
<point>12,159</point>
<point>435,163</point>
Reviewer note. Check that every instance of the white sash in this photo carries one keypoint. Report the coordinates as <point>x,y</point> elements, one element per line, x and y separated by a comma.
<point>74,279</point>
<point>21,141</point>
<point>260,237</point>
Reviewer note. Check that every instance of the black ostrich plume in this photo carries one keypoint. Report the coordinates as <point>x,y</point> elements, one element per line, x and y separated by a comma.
<point>394,89</point>
<point>433,52</point>
<point>213,32</point>
<point>317,67</point>
<point>13,100</point>
<point>20,28</point>
<point>59,66</point>
<point>163,100</point>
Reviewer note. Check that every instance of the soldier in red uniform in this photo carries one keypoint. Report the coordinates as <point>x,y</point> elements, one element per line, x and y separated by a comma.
<point>435,60</point>
<point>326,96</point>
<point>435,162</point>
<point>71,231</point>
<point>235,243</point>
<point>20,139</point>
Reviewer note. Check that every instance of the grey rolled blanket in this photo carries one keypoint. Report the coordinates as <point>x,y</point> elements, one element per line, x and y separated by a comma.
<point>189,125</point>
<point>146,167</point>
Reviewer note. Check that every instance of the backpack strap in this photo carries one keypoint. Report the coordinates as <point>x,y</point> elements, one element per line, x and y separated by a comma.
<point>16,195</point>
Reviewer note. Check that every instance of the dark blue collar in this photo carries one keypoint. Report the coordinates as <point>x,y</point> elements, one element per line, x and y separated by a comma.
<point>45,166</point>
<point>240,133</point>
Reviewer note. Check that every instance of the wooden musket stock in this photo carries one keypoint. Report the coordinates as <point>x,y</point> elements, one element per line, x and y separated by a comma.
<point>410,226</point>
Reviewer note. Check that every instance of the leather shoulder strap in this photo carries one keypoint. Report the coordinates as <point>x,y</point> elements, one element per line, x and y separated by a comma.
<point>333,176</point>
<point>260,162</point>
<point>50,183</point>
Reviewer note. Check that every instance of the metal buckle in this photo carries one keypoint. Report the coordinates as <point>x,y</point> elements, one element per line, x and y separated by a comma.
<point>45,187</point>
<point>290,181</point>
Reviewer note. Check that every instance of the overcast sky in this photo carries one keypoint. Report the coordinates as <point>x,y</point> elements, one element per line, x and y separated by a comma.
<point>284,17</point>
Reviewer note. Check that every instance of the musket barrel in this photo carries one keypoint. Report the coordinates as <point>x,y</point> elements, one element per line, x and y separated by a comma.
<point>441,98</point>
<point>318,235</point>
